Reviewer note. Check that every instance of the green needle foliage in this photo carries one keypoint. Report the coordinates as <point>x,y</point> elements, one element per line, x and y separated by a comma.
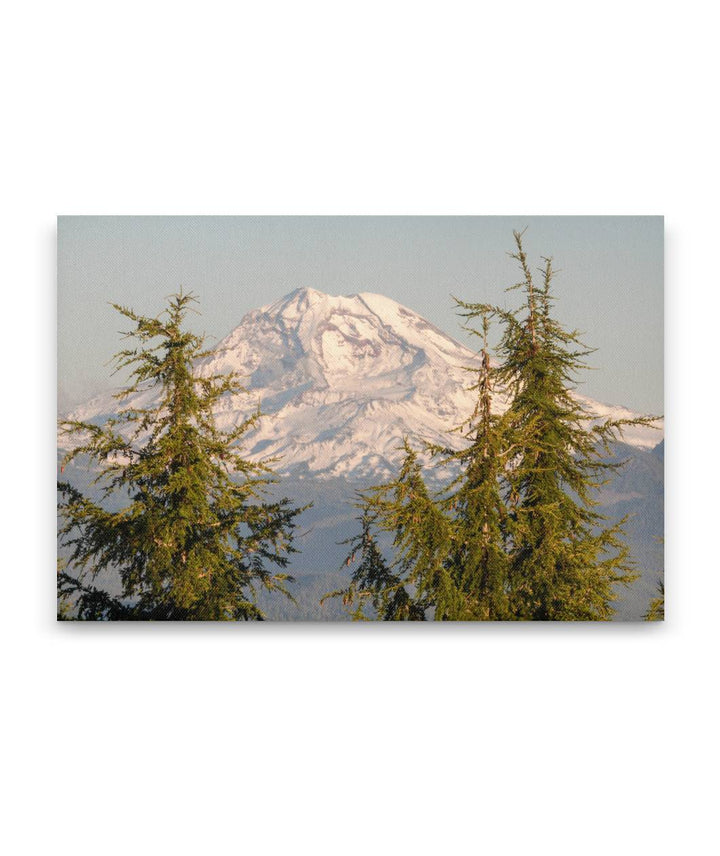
<point>478,558</point>
<point>418,579</point>
<point>564,559</point>
<point>373,585</point>
<point>196,532</point>
<point>450,560</point>
<point>656,609</point>
<point>516,535</point>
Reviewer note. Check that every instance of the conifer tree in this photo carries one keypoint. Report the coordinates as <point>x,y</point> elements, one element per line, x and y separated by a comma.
<point>517,534</point>
<point>565,560</point>
<point>478,558</point>
<point>373,585</point>
<point>418,580</point>
<point>450,561</point>
<point>195,531</point>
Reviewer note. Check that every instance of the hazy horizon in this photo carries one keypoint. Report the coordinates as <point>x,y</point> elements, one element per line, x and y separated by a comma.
<point>610,283</point>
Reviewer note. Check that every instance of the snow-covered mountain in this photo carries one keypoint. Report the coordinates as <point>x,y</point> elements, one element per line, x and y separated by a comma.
<point>340,380</point>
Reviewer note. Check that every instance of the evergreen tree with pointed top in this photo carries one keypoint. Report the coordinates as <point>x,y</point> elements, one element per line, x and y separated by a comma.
<point>478,558</point>
<point>196,530</point>
<point>374,590</point>
<point>417,582</point>
<point>450,562</point>
<point>517,534</point>
<point>565,560</point>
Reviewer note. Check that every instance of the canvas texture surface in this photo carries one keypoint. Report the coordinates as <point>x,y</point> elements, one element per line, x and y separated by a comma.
<point>360,418</point>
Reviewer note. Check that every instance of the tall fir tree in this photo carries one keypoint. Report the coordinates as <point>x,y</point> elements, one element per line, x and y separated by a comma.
<point>195,532</point>
<point>478,557</point>
<point>450,562</point>
<point>517,534</point>
<point>565,559</point>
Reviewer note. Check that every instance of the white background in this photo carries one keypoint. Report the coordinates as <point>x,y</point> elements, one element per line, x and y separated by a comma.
<point>335,739</point>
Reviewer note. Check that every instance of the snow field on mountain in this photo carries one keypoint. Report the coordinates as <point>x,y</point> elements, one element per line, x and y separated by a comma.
<point>341,380</point>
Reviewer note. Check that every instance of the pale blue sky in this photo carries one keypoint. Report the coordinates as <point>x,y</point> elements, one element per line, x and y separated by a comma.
<point>610,285</point>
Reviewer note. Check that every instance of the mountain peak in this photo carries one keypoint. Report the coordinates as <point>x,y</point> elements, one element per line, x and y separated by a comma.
<point>342,379</point>
<point>363,335</point>
<point>300,300</point>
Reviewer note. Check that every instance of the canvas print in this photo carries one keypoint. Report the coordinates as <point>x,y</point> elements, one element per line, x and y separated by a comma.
<point>360,418</point>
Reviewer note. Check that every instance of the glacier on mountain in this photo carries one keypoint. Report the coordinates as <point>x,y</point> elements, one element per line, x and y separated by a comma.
<point>341,380</point>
